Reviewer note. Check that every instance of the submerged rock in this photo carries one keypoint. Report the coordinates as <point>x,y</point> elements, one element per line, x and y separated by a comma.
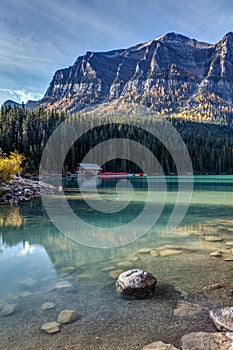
<point>125,264</point>
<point>25,294</point>
<point>230,243</point>
<point>184,308</point>
<point>216,254</point>
<point>68,269</point>
<point>213,238</point>
<point>173,246</point>
<point>51,327</point>
<point>67,316</point>
<point>108,268</point>
<point>158,345</point>
<point>205,341</point>
<point>144,251</point>
<point>47,306</point>
<point>169,252</point>
<point>223,318</point>
<point>134,258</point>
<point>136,283</point>
<point>63,284</point>
<point>29,282</point>
<point>84,276</point>
<point>115,273</point>
<point>7,309</point>
<point>153,253</point>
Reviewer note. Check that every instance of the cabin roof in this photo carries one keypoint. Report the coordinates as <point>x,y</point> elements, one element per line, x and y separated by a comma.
<point>87,166</point>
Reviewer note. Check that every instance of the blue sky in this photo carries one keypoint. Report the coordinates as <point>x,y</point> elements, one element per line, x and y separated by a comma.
<point>40,36</point>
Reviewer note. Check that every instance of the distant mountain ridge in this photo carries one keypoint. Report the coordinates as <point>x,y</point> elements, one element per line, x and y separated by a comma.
<point>169,74</point>
<point>29,105</point>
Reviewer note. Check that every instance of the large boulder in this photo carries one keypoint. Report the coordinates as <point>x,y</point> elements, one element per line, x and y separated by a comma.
<point>136,283</point>
<point>205,341</point>
<point>223,318</point>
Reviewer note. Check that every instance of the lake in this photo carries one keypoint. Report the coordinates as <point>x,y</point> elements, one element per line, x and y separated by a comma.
<point>77,269</point>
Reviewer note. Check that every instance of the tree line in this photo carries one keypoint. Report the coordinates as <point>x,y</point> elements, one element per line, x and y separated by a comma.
<point>210,145</point>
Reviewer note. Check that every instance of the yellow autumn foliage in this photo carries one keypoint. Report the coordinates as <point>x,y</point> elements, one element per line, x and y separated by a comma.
<point>11,217</point>
<point>10,166</point>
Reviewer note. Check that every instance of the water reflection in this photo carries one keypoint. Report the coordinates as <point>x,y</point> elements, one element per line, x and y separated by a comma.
<point>89,182</point>
<point>36,230</point>
<point>28,227</point>
<point>11,218</point>
<point>35,257</point>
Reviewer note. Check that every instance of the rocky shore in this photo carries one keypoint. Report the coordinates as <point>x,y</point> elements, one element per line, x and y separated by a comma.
<point>141,284</point>
<point>20,189</point>
<point>197,341</point>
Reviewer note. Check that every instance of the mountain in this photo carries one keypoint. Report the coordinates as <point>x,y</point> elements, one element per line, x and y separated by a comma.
<point>170,74</point>
<point>12,104</point>
<point>29,105</point>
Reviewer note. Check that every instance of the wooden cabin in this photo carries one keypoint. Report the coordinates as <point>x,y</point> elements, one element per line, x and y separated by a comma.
<point>89,169</point>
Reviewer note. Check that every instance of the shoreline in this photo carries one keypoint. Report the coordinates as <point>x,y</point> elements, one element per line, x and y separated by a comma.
<point>22,189</point>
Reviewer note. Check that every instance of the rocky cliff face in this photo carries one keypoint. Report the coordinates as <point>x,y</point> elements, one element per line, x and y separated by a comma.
<point>219,78</point>
<point>171,73</point>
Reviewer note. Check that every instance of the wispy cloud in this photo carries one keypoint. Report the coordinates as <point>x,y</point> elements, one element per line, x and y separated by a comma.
<point>20,95</point>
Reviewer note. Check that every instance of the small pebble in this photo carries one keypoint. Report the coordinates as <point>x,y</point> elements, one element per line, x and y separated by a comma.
<point>144,251</point>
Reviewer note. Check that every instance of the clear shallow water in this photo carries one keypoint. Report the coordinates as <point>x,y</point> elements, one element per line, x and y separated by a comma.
<point>35,257</point>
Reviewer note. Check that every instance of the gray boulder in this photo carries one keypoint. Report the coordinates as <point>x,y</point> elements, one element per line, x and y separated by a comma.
<point>223,318</point>
<point>7,309</point>
<point>47,306</point>
<point>67,316</point>
<point>205,341</point>
<point>136,283</point>
<point>51,327</point>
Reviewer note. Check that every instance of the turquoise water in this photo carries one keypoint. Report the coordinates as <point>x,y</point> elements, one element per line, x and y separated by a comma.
<point>35,258</point>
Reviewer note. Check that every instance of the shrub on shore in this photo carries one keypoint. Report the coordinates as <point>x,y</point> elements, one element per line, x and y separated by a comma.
<point>10,166</point>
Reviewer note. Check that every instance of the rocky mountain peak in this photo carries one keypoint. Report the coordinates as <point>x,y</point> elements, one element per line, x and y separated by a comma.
<point>228,36</point>
<point>173,37</point>
<point>167,74</point>
<point>226,41</point>
<point>221,67</point>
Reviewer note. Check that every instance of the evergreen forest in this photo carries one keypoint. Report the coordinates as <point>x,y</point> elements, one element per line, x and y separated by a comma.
<point>210,145</point>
